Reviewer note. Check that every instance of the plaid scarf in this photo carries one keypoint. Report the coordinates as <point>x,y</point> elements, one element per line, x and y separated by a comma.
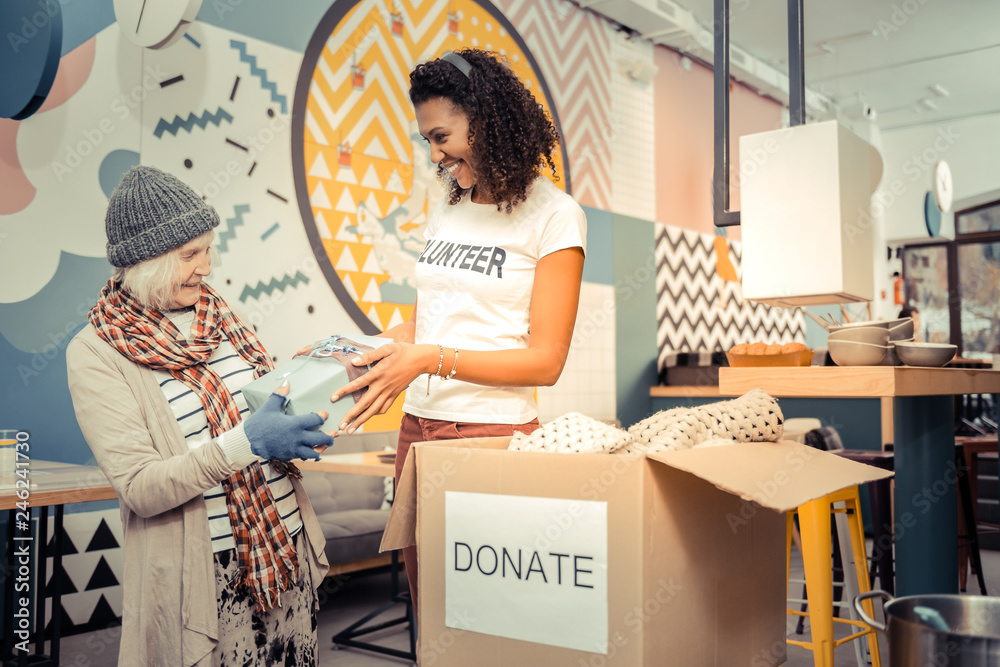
<point>265,552</point>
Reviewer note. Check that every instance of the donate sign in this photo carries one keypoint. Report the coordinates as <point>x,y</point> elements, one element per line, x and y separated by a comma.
<point>534,569</point>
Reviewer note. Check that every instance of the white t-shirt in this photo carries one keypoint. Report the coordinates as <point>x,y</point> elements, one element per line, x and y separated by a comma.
<point>474,281</point>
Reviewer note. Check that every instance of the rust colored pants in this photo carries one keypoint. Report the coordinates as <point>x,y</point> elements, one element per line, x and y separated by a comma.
<point>418,429</point>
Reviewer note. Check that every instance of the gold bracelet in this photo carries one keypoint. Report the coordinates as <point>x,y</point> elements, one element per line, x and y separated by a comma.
<point>438,371</point>
<point>454,367</point>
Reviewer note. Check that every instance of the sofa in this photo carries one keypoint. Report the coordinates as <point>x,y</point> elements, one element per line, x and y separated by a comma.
<point>352,509</point>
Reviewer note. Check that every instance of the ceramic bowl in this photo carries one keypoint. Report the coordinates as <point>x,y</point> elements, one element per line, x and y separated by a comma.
<point>925,354</point>
<point>851,353</point>
<point>902,331</point>
<point>891,358</point>
<point>899,325</point>
<point>870,335</point>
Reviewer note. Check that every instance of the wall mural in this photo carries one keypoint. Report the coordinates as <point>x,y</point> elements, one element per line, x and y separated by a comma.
<point>219,109</point>
<point>363,174</point>
<point>321,210</point>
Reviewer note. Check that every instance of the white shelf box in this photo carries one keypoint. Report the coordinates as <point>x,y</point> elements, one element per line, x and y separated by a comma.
<point>805,215</point>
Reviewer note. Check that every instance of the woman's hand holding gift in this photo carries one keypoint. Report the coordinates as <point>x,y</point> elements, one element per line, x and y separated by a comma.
<point>399,364</point>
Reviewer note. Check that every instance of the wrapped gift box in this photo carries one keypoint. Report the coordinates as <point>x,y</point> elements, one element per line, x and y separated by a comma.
<point>315,376</point>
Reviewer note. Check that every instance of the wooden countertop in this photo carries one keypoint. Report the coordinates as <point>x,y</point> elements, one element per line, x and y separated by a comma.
<point>54,483</point>
<point>686,391</point>
<point>360,463</point>
<point>858,381</point>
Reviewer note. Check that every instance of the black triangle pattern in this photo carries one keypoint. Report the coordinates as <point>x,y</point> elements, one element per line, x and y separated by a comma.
<point>103,615</point>
<point>60,578</point>
<point>66,623</point>
<point>103,538</point>
<point>68,547</point>
<point>102,576</point>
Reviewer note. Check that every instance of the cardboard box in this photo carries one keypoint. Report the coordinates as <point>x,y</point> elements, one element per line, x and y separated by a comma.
<point>314,378</point>
<point>530,558</point>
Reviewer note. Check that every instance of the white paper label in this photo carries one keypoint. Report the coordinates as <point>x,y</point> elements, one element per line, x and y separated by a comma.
<point>528,568</point>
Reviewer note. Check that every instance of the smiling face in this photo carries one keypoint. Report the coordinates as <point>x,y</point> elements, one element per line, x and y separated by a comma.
<point>195,264</point>
<point>446,129</point>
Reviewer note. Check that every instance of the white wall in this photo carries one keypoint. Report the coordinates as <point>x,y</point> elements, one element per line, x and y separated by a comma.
<point>972,149</point>
<point>970,146</point>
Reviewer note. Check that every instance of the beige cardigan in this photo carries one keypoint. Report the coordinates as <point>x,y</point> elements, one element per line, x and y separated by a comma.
<point>169,613</point>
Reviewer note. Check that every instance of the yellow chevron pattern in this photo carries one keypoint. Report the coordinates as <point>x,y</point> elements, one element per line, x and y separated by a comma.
<point>358,150</point>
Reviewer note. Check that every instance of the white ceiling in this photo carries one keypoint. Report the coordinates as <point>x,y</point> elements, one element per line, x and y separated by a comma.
<point>883,53</point>
<point>914,62</point>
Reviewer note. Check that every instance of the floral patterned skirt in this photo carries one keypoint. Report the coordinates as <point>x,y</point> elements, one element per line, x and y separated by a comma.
<point>285,635</point>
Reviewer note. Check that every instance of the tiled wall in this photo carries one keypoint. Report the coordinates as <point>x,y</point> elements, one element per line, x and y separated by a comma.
<point>633,132</point>
<point>587,384</point>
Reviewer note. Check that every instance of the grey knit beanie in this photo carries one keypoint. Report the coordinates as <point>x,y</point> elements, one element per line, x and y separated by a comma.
<point>150,213</point>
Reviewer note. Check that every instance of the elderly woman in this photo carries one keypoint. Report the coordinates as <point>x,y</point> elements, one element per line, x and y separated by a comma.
<point>223,552</point>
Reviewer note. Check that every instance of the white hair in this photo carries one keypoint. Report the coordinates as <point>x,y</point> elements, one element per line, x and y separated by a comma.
<point>153,282</point>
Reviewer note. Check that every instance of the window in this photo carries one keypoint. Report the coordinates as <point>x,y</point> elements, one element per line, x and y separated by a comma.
<point>925,273</point>
<point>985,218</point>
<point>979,296</point>
<point>956,284</point>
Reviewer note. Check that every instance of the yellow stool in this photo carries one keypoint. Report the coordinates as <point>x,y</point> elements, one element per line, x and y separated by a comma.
<point>817,548</point>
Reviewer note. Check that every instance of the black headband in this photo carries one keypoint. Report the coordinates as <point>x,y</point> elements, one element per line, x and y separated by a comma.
<point>458,61</point>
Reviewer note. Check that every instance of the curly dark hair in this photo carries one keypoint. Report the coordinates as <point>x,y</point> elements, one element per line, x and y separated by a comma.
<point>511,135</point>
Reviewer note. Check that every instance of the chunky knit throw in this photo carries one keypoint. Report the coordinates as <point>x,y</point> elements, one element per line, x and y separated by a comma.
<point>574,433</point>
<point>753,417</point>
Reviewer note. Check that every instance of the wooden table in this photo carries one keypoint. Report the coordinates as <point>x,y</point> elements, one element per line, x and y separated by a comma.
<point>924,445</point>
<point>57,484</point>
<point>360,463</point>
<point>52,484</point>
<point>686,391</point>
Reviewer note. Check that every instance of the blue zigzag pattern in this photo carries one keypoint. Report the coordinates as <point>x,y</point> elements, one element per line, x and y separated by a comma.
<point>231,224</point>
<point>193,119</point>
<point>274,284</point>
<point>260,73</point>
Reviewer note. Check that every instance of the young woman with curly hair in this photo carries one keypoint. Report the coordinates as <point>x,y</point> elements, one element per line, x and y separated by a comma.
<point>498,282</point>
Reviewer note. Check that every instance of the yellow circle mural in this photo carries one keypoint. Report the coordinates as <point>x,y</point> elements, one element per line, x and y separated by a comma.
<point>363,175</point>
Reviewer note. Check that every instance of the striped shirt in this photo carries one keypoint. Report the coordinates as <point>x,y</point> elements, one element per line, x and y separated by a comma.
<point>190,415</point>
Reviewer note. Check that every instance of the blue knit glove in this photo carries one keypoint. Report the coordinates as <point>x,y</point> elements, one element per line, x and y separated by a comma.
<point>275,435</point>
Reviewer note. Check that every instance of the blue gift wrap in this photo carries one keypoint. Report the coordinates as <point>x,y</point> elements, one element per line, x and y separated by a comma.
<point>314,376</point>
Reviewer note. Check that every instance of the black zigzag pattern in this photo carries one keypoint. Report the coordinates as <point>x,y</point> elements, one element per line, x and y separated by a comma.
<point>696,310</point>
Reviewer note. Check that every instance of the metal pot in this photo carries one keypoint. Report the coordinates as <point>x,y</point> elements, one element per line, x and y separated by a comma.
<point>939,630</point>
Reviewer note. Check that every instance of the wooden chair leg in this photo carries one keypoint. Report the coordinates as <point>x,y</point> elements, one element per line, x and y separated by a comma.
<point>968,530</point>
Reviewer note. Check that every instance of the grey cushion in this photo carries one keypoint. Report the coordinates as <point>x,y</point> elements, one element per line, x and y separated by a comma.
<point>353,534</point>
<point>349,506</point>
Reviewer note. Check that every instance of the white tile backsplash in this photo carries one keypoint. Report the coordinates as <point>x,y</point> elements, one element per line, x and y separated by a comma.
<point>587,384</point>
<point>633,142</point>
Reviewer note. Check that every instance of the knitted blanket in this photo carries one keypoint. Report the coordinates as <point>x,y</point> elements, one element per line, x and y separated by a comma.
<point>573,433</point>
<point>753,417</point>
